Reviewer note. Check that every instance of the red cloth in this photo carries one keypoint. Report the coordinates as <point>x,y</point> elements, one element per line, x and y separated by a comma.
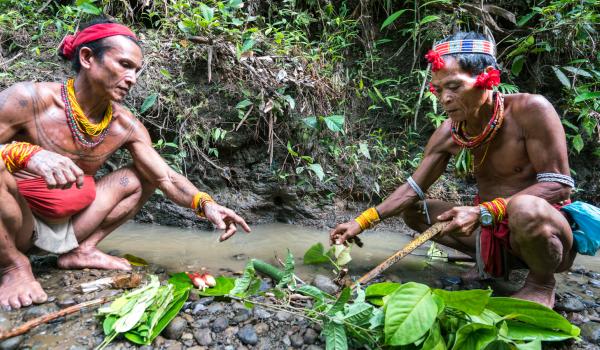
<point>57,203</point>
<point>97,31</point>
<point>494,239</point>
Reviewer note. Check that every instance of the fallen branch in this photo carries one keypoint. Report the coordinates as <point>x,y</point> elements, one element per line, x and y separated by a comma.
<point>412,245</point>
<point>26,327</point>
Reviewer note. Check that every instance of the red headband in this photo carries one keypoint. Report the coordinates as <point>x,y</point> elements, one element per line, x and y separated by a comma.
<point>97,31</point>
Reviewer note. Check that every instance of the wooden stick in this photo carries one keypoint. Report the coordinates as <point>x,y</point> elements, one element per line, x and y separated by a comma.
<point>27,326</point>
<point>412,245</point>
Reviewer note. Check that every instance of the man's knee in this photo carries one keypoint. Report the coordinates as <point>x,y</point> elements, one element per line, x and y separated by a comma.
<point>413,216</point>
<point>131,182</point>
<point>530,220</point>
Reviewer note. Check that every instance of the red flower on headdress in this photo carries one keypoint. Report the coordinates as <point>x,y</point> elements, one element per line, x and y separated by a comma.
<point>437,62</point>
<point>487,80</point>
<point>432,89</point>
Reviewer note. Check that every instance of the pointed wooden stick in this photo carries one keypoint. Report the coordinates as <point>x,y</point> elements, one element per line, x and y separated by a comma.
<point>27,326</point>
<point>412,245</point>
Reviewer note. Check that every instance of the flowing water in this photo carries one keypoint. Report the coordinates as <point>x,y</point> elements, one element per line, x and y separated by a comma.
<point>190,249</point>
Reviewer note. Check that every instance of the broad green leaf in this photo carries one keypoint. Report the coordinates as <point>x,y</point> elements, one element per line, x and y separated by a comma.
<point>314,292</point>
<point>335,123</point>
<point>359,314</point>
<point>532,313</point>
<point>562,77</point>
<point>525,19</point>
<point>517,65</point>
<point>340,302</point>
<point>165,73</point>
<point>533,345</point>
<point>392,18</point>
<point>208,13</point>
<point>223,287</point>
<point>335,336</point>
<point>148,103</point>
<point>474,336</point>
<point>291,102</point>
<point>428,19</point>
<point>243,104</point>
<point>364,149</point>
<point>472,302</point>
<point>500,345</point>
<point>318,170</point>
<point>375,292</point>
<point>488,317</point>
<point>89,8</point>
<point>434,340</point>
<point>288,271</point>
<point>377,319</point>
<point>587,96</point>
<point>577,71</point>
<point>243,283</point>
<point>410,313</point>
<point>248,45</point>
<point>578,143</point>
<point>172,311</point>
<point>181,280</point>
<point>135,261</point>
<point>311,122</point>
<point>523,331</point>
<point>342,254</point>
<point>315,255</point>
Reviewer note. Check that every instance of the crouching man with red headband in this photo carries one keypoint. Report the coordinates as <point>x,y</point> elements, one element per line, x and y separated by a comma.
<point>55,137</point>
<point>514,145</point>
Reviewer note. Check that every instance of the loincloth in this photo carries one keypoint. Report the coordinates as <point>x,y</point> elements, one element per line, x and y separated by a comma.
<point>56,238</point>
<point>57,203</point>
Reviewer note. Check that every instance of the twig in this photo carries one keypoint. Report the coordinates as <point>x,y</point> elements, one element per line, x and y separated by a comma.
<point>26,327</point>
<point>418,107</point>
<point>412,245</point>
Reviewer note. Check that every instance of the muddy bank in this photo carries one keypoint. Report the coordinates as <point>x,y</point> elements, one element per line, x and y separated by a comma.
<point>206,323</point>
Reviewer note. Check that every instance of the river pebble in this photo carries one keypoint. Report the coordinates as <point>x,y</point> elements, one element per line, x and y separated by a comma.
<point>325,284</point>
<point>310,336</point>
<point>175,329</point>
<point>220,324</point>
<point>570,304</point>
<point>591,332</point>
<point>203,336</point>
<point>247,335</point>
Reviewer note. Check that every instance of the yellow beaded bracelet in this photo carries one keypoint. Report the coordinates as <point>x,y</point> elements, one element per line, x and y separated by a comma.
<point>369,218</point>
<point>200,199</point>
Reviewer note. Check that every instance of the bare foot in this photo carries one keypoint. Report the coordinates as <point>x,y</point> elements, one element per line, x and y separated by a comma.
<point>93,258</point>
<point>18,287</point>
<point>542,293</point>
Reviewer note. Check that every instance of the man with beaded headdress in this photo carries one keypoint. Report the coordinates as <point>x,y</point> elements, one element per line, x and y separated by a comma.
<point>55,137</point>
<point>514,146</point>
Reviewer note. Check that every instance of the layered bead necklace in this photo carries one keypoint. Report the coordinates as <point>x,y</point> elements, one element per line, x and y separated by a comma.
<point>79,124</point>
<point>464,159</point>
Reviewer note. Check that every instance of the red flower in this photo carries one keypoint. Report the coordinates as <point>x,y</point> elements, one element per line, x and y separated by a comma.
<point>488,80</point>
<point>437,62</point>
<point>432,89</point>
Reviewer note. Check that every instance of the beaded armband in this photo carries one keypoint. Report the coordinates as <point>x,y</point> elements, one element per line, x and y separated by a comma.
<point>199,201</point>
<point>368,219</point>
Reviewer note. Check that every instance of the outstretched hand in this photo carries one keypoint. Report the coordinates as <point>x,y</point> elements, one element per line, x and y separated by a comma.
<point>344,232</point>
<point>463,220</point>
<point>224,219</point>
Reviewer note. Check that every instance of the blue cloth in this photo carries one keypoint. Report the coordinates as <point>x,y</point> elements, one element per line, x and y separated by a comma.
<point>586,226</point>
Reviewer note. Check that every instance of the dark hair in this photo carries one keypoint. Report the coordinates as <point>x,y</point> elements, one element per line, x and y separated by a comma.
<point>97,46</point>
<point>474,63</point>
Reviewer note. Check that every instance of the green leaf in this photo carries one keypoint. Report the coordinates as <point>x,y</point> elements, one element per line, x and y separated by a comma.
<point>523,331</point>
<point>410,313</point>
<point>525,19</point>
<point>165,73</point>
<point>208,13</point>
<point>291,102</point>
<point>434,340</point>
<point>375,292</point>
<point>89,8</point>
<point>148,103</point>
<point>392,18</point>
<point>243,283</point>
<point>248,45</point>
<point>577,71</point>
<point>577,143</point>
<point>500,345</point>
<point>342,254</point>
<point>243,104</point>
<point>474,336</point>
<point>340,302</point>
<point>181,280</point>
<point>532,313</point>
<point>562,77</point>
<point>364,149</point>
<point>318,170</point>
<point>517,65</point>
<point>335,123</point>
<point>311,122</point>
<point>173,309</point>
<point>314,292</point>
<point>335,336</point>
<point>315,255</point>
<point>428,19</point>
<point>472,302</point>
<point>587,96</point>
<point>534,345</point>
<point>223,287</point>
<point>288,271</point>
<point>359,314</point>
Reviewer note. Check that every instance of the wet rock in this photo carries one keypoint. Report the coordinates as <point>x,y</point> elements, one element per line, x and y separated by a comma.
<point>286,340</point>
<point>201,323</point>
<point>296,340</point>
<point>594,275</point>
<point>265,285</point>
<point>175,329</point>
<point>198,308</point>
<point>220,324</point>
<point>283,316</point>
<point>314,347</point>
<point>310,336</point>
<point>261,328</point>
<point>591,332</point>
<point>580,269</point>
<point>570,304</point>
<point>241,316</point>
<point>173,345</point>
<point>65,300</point>
<point>203,336</point>
<point>230,332</point>
<point>37,311</point>
<point>595,283</point>
<point>325,284</point>
<point>11,343</point>
<point>206,300</point>
<point>216,308</point>
<point>261,313</point>
<point>247,335</point>
<point>449,281</point>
